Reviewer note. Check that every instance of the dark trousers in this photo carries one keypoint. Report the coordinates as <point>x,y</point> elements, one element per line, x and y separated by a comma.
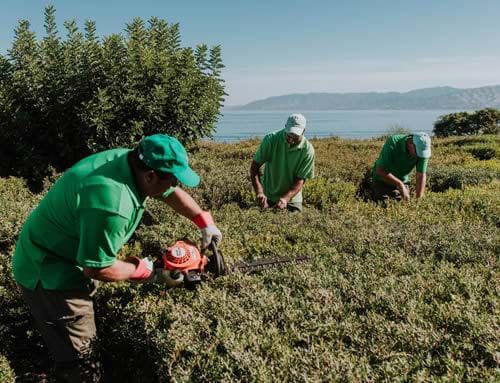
<point>370,189</point>
<point>382,191</point>
<point>65,319</point>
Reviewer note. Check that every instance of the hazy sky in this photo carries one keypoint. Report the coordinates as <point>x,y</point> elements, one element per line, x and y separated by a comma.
<point>276,47</point>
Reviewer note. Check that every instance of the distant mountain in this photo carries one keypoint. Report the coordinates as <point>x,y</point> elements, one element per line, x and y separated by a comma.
<point>428,98</point>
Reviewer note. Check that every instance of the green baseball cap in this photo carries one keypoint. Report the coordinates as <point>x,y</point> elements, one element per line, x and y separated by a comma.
<point>166,154</point>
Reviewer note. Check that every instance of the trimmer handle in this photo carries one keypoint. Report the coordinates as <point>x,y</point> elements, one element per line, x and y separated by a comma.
<point>216,264</point>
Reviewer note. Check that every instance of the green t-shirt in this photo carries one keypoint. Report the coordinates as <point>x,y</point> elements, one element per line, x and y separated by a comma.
<point>395,159</point>
<point>84,219</point>
<point>283,164</point>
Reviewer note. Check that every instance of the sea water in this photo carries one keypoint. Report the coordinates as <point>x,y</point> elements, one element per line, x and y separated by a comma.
<point>353,124</point>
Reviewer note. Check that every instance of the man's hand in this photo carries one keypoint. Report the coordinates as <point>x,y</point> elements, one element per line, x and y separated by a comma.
<point>282,203</point>
<point>144,269</point>
<point>209,232</point>
<point>262,200</point>
<point>405,192</point>
<point>147,272</point>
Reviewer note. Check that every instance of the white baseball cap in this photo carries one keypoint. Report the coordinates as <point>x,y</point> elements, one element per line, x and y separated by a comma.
<point>296,124</point>
<point>422,143</point>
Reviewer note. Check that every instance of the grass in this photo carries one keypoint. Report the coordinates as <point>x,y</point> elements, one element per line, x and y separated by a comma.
<point>394,292</point>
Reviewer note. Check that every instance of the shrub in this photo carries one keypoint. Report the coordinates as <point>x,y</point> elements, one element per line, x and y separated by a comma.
<point>61,100</point>
<point>322,193</point>
<point>404,291</point>
<point>485,121</point>
<point>462,142</point>
<point>6,373</point>
<point>484,152</point>
<point>16,202</point>
<point>454,177</point>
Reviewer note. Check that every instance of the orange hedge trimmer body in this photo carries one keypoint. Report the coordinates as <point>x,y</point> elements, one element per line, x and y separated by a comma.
<point>184,263</point>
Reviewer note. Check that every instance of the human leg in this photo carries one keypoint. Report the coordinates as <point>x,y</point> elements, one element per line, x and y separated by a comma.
<point>65,319</point>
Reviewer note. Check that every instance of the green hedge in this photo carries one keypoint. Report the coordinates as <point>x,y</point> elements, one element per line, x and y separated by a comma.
<point>484,152</point>
<point>394,292</point>
<point>456,177</point>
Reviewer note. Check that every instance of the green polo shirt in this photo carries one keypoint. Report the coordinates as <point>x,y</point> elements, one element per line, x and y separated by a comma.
<point>84,219</point>
<point>395,159</point>
<point>283,164</point>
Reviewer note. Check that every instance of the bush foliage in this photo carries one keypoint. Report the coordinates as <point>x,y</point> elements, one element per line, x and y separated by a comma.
<point>7,375</point>
<point>394,292</point>
<point>485,121</point>
<point>62,99</point>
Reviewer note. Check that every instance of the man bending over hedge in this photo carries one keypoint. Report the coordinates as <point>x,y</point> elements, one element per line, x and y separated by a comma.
<point>399,155</point>
<point>289,160</point>
<point>75,233</point>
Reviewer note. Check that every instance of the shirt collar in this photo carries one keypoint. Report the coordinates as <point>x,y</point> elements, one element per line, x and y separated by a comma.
<point>125,172</point>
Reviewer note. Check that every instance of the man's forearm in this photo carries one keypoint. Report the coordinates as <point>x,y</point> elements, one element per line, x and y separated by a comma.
<point>257,186</point>
<point>389,177</point>
<point>294,189</point>
<point>421,181</point>
<point>118,271</point>
<point>255,177</point>
<point>183,203</point>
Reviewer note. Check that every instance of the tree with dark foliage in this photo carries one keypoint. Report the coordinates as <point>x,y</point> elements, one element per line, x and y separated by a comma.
<point>61,100</point>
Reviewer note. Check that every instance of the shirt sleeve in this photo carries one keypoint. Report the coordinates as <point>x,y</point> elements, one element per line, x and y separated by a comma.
<point>263,154</point>
<point>102,234</point>
<point>306,169</point>
<point>384,159</point>
<point>421,166</point>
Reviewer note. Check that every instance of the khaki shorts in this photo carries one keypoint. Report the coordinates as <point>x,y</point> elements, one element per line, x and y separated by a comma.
<point>66,321</point>
<point>291,206</point>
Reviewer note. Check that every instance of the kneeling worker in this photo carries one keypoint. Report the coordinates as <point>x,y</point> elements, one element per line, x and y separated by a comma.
<point>399,155</point>
<point>289,160</point>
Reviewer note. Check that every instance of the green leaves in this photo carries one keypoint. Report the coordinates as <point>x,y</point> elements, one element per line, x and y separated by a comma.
<point>458,177</point>
<point>62,99</point>
<point>394,292</point>
<point>485,121</point>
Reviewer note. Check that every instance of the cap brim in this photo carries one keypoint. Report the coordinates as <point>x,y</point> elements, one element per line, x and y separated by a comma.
<point>187,177</point>
<point>424,153</point>
<point>295,130</point>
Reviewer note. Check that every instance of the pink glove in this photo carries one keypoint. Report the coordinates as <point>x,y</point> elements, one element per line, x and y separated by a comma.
<point>209,231</point>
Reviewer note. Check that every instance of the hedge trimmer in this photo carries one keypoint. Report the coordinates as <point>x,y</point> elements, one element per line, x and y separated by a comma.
<point>183,263</point>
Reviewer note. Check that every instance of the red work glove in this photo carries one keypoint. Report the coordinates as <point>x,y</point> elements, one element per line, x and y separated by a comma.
<point>209,232</point>
<point>144,269</point>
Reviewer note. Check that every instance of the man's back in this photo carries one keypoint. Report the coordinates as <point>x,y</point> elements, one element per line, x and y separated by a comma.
<point>395,159</point>
<point>49,243</point>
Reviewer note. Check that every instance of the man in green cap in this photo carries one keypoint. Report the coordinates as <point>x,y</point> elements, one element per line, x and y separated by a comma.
<point>75,233</point>
<point>289,161</point>
<point>400,154</point>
